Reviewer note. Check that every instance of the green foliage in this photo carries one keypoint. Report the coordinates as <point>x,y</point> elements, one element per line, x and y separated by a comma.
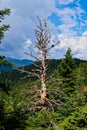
<point>64,109</point>
<point>81,74</point>
<point>4,12</point>
<point>69,116</point>
<point>67,65</point>
<point>16,116</point>
<point>42,120</point>
<point>4,27</point>
<point>77,119</point>
<point>3,61</point>
<point>2,114</point>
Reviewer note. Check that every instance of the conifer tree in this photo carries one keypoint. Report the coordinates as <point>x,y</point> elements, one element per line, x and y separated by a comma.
<point>3,29</point>
<point>66,70</point>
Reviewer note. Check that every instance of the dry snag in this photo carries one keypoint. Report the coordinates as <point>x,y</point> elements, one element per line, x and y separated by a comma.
<point>43,45</point>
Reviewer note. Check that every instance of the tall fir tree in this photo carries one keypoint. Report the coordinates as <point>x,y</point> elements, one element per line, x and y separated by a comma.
<point>66,70</point>
<point>3,29</point>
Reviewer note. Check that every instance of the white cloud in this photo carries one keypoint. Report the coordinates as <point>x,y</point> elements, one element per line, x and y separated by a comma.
<point>28,42</point>
<point>84,34</point>
<point>72,18</point>
<point>64,2</point>
<point>23,20</point>
<point>77,44</point>
<point>69,19</point>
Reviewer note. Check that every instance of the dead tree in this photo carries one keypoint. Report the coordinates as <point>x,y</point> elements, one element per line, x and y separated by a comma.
<point>43,44</point>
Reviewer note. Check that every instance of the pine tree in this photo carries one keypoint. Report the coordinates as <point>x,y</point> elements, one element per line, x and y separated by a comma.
<point>3,29</point>
<point>66,70</point>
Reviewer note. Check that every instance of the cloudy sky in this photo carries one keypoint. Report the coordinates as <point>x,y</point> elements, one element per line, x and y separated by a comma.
<point>67,20</point>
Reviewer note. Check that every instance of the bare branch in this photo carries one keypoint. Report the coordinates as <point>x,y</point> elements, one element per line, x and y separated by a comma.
<point>28,72</point>
<point>36,64</point>
<point>50,104</point>
<point>52,46</point>
<point>30,54</point>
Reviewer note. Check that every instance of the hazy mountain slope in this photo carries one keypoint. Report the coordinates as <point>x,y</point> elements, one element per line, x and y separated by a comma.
<point>17,63</point>
<point>16,76</point>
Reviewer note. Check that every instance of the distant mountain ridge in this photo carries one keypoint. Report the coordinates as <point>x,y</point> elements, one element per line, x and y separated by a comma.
<point>15,76</point>
<point>17,63</point>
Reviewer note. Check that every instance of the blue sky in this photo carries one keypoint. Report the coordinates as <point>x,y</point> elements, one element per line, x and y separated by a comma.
<point>67,20</point>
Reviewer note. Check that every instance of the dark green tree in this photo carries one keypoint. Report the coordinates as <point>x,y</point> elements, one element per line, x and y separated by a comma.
<point>3,29</point>
<point>3,61</point>
<point>66,70</point>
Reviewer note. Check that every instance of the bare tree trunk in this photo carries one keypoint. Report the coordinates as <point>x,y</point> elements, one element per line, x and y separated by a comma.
<point>43,91</point>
